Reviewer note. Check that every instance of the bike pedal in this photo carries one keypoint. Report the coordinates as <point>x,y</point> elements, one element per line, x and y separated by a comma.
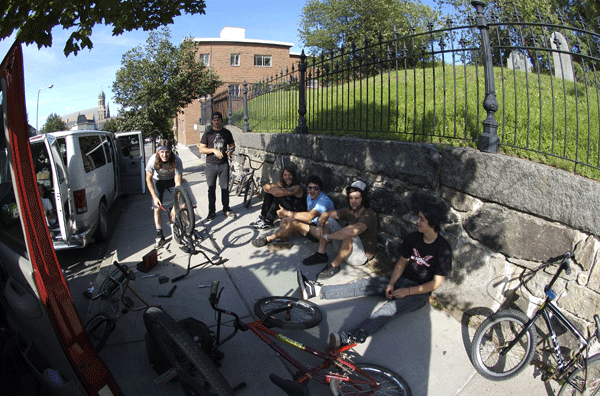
<point>165,377</point>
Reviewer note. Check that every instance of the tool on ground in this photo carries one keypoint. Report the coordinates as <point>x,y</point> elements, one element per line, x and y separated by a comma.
<point>163,279</point>
<point>201,286</point>
<point>149,276</point>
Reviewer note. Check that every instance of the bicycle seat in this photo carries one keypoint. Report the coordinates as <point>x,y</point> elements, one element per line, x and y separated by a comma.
<point>292,388</point>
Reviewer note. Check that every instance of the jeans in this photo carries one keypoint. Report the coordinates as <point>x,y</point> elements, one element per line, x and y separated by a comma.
<point>221,172</point>
<point>270,207</point>
<point>376,287</point>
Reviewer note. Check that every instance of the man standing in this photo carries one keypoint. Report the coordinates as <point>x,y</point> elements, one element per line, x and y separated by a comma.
<point>217,142</point>
<point>356,242</point>
<point>425,261</point>
<point>303,223</point>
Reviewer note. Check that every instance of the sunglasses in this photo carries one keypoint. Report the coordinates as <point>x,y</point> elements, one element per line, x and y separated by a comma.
<point>315,188</point>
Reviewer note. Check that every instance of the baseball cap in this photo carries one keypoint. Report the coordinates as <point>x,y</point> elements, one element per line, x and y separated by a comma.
<point>358,184</point>
<point>216,114</point>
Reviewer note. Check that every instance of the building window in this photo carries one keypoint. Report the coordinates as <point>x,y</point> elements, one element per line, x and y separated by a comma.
<point>234,90</point>
<point>205,58</point>
<point>235,59</point>
<point>262,60</point>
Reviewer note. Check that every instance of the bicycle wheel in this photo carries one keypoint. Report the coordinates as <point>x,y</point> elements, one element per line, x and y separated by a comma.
<point>184,210</point>
<point>388,382</point>
<point>249,193</point>
<point>301,315</point>
<point>231,183</point>
<point>99,328</point>
<point>177,229</point>
<point>194,368</point>
<point>591,386</point>
<point>240,184</point>
<point>492,336</point>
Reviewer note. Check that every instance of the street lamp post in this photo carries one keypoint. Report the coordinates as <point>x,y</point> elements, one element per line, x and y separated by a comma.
<point>37,131</point>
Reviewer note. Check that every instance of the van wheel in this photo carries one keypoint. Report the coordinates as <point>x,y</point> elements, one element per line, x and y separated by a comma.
<point>101,233</point>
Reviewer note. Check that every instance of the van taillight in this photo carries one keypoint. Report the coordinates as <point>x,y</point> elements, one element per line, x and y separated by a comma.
<point>80,201</point>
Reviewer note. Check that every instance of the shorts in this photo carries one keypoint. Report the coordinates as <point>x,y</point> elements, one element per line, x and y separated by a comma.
<point>358,255</point>
<point>161,185</point>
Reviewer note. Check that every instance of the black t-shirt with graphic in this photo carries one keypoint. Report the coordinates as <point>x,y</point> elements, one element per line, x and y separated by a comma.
<point>219,140</point>
<point>426,260</point>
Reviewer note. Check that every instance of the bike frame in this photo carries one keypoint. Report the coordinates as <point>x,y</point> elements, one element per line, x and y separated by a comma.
<point>331,356</point>
<point>547,310</point>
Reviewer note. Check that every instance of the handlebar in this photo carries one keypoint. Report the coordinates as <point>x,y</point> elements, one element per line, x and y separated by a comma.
<point>565,265</point>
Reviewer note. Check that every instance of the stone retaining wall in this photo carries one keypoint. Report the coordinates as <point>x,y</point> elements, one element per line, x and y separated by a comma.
<point>507,214</point>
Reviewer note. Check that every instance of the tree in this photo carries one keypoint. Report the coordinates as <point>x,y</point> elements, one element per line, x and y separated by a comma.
<point>34,19</point>
<point>156,81</point>
<point>112,125</point>
<point>329,24</point>
<point>54,123</point>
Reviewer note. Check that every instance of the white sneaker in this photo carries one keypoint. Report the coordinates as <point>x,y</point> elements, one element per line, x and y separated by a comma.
<point>255,222</point>
<point>308,288</point>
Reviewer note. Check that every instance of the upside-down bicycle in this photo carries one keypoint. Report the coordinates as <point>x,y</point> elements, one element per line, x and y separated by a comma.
<point>183,226</point>
<point>505,343</point>
<point>336,370</point>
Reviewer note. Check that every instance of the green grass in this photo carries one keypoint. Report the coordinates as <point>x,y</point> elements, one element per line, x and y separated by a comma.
<point>540,118</point>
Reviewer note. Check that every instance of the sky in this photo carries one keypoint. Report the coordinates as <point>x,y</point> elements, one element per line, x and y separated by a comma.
<point>78,80</point>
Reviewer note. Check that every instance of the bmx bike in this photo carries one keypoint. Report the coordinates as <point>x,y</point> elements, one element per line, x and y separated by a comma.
<point>336,370</point>
<point>505,343</point>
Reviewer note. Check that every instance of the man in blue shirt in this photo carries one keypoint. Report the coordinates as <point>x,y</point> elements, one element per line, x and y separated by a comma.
<point>303,223</point>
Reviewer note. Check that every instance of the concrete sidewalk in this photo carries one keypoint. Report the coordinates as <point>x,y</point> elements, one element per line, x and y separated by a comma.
<point>427,348</point>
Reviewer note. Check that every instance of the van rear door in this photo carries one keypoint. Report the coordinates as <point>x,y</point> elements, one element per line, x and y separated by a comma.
<point>59,187</point>
<point>132,161</point>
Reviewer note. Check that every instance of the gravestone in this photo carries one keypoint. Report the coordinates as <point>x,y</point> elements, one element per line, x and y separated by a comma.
<point>518,61</point>
<point>563,63</point>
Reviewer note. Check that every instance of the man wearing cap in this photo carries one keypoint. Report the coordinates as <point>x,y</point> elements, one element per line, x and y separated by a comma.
<point>356,242</point>
<point>217,142</point>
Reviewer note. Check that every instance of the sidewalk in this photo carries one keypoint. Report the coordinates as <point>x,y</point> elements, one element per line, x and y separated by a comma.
<point>427,348</point>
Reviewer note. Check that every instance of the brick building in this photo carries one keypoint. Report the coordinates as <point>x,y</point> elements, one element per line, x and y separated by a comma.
<point>235,59</point>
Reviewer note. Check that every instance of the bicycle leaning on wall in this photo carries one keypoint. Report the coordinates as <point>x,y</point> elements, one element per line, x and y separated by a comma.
<point>505,343</point>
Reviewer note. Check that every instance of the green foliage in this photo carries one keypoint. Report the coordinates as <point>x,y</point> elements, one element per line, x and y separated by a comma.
<point>54,123</point>
<point>330,24</point>
<point>113,125</point>
<point>35,19</point>
<point>155,81</point>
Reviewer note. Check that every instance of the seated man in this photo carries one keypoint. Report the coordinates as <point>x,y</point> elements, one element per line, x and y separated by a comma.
<point>356,242</point>
<point>303,223</point>
<point>426,259</point>
<point>286,193</point>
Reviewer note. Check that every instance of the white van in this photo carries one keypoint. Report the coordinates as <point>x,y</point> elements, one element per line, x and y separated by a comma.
<point>81,173</point>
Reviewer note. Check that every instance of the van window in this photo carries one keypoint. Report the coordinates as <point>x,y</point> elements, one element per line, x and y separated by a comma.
<point>92,152</point>
<point>130,146</point>
<point>108,148</point>
<point>11,231</point>
<point>62,149</point>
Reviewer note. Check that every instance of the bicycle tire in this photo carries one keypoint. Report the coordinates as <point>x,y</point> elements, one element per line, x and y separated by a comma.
<point>99,329</point>
<point>177,227</point>
<point>194,368</point>
<point>302,315</point>
<point>231,183</point>
<point>184,210</point>
<point>496,331</point>
<point>578,376</point>
<point>249,193</point>
<point>389,382</point>
<point>240,186</point>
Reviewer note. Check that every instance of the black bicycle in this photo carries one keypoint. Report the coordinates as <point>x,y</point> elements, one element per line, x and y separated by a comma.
<point>193,368</point>
<point>246,183</point>
<point>505,343</point>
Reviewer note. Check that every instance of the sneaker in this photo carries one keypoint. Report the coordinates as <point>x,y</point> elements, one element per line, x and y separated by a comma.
<point>260,242</point>
<point>328,272</point>
<point>317,258</point>
<point>337,340</point>
<point>159,241</point>
<point>229,213</point>
<point>263,225</point>
<point>210,216</point>
<point>308,287</point>
<point>276,246</point>
<point>255,222</point>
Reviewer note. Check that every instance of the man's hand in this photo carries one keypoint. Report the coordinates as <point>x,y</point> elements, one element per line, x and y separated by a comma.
<point>281,212</point>
<point>157,203</point>
<point>319,232</point>
<point>388,292</point>
<point>218,153</point>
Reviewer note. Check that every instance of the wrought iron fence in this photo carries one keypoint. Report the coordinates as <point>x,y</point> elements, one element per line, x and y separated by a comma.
<point>493,81</point>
